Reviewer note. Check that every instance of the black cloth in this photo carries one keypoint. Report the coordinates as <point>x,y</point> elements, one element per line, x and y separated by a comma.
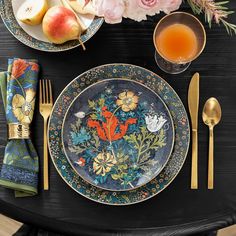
<point>27,230</point>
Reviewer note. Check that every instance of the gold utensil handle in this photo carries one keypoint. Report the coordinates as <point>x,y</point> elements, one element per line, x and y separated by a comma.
<point>194,169</point>
<point>45,158</point>
<point>211,160</point>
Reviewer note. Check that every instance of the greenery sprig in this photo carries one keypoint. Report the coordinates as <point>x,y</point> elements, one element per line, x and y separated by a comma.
<point>217,11</point>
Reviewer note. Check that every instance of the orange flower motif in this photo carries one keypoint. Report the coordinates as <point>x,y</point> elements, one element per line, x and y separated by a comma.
<point>34,66</point>
<point>81,162</point>
<point>18,68</point>
<point>106,130</point>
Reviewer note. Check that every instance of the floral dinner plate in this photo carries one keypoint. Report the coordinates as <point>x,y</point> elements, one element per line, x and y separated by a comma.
<point>118,134</point>
<point>175,162</point>
<point>33,37</point>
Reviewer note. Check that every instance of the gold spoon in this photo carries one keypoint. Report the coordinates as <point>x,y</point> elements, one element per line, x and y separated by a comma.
<point>211,116</point>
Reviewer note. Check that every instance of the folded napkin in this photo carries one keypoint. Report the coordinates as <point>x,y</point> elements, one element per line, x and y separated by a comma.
<point>20,164</point>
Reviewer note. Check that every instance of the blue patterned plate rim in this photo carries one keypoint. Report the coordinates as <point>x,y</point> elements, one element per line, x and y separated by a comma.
<point>169,150</point>
<point>16,30</point>
<point>168,174</point>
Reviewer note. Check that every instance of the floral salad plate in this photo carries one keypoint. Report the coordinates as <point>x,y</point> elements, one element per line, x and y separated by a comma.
<point>174,163</point>
<point>33,36</point>
<point>118,134</point>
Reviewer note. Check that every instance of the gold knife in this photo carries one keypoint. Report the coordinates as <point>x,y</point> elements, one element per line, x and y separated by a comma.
<point>193,104</point>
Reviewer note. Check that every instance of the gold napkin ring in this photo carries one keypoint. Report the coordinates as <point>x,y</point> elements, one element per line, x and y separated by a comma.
<point>18,131</point>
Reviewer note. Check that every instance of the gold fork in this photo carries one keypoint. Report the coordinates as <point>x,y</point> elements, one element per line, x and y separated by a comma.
<point>45,108</point>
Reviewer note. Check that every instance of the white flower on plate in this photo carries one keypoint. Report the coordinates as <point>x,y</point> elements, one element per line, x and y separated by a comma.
<point>154,123</point>
<point>80,114</point>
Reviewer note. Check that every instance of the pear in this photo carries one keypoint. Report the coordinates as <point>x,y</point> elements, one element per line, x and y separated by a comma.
<point>61,25</point>
<point>31,12</point>
<point>67,5</point>
<point>82,7</point>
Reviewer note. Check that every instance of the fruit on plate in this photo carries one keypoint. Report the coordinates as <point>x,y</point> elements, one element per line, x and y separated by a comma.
<point>31,12</point>
<point>67,5</point>
<point>60,25</point>
<point>83,6</point>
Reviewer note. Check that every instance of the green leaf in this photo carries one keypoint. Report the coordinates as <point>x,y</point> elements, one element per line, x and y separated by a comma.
<point>213,10</point>
<point>9,158</point>
<point>139,138</point>
<point>94,116</point>
<point>151,162</point>
<point>10,162</point>
<point>145,168</point>
<point>131,138</point>
<point>101,102</point>
<point>92,104</point>
<point>115,176</point>
<point>73,127</point>
<point>78,123</point>
<point>96,140</point>
<point>143,130</point>
<point>144,157</point>
<point>76,149</point>
<point>123,167</point>
<point>27,79</point>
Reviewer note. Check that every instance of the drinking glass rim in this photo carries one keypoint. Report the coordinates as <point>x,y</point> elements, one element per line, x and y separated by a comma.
<point>184,13</point>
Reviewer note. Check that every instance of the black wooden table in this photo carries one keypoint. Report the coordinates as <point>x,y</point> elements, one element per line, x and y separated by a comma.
<point>177,210</point>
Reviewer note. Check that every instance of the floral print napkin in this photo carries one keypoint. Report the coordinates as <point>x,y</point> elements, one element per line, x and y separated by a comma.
<point>20,164</point>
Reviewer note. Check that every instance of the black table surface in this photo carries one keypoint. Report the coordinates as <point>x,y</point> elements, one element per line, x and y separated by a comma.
<point>177,210</point>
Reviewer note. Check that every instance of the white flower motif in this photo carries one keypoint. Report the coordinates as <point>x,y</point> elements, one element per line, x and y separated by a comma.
<point>80,114</point>
<point>154,123</point>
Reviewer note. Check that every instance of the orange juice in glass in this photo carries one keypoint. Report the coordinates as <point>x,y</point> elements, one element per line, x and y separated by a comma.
<point>179,38</point>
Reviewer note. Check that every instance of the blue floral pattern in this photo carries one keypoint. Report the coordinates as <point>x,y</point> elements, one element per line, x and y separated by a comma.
<point>19,176</point>
<point>181,124</point>
<point>20,165</point>
<point>118,134</point>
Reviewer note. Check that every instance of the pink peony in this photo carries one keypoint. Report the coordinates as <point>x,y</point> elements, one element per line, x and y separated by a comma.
<point>147,4</point>
<point>139,9</point>
<point>170,5</point>
<point>112,10</point>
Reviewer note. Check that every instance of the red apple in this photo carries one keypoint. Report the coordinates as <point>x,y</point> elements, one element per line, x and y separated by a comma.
<point>61,25</point>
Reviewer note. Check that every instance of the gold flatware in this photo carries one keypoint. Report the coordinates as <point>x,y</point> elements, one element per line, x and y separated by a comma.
<point>45,108</point>
<point>193,104</point>
<point>211,116</point>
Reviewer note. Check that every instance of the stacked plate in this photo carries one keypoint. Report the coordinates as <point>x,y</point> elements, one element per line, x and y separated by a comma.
<point>118,134</point>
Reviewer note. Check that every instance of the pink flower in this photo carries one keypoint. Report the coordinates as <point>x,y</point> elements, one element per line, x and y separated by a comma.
<point>170,5</point>
<point>112,10</point>
<point>147,4</point>
<point>139,9</point>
